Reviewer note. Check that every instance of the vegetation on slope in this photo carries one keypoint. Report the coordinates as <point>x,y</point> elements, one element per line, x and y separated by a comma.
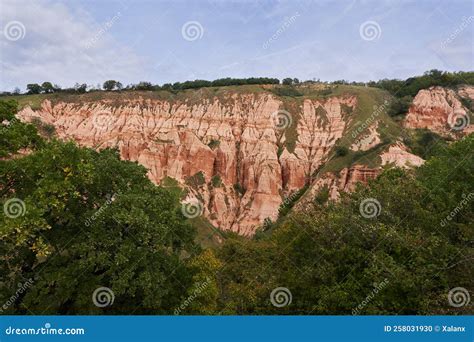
<point>412,85</point>
<point>331,258</point>
<point>76,220</point>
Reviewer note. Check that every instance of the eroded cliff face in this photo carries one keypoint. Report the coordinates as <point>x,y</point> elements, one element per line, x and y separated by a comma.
<point>241,154</point>
<point>344,181</point>
<point>398,155</point>
<point>442,110</point>
<point>239,143</point>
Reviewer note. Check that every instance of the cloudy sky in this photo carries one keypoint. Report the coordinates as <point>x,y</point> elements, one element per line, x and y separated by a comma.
<point>167,41</point>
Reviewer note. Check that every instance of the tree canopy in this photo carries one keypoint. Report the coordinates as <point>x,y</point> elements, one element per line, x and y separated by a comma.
<point>332,258</point>
<point>87,220</point>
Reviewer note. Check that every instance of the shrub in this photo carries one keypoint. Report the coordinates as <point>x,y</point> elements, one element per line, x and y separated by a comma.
<point>213,144</point>
<point>341,151</point>
<point>400,106</point>
<point>239,188</point>
<point>43,128</point>
<point>216,181</point>
<point>287,91</point>
<point>196,180</point>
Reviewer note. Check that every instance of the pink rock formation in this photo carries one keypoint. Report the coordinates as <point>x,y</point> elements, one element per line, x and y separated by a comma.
<point>235,138</point>
<point>366,142</point>
<point>346,180</point>
<point>398,155</point>
<point>440,110</point>
<point>239,139</point>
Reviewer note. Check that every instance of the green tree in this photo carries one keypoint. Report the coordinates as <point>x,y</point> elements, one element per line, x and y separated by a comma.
<point>403,259</point>
<point>80,88</point>
<point>33,88</point>
<point>400,106</point>
<point>109,85</point>
<point>144,86</point>
<point>203,295</point>
<point>14,135</point>
<point>88,220</point>
<point>47,87</point>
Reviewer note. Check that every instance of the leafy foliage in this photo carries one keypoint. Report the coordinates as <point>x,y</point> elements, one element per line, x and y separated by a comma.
<point>425,143</point>
<point>411,86</point>
<point>90,220</point>
<point>400,106</point>
<point>287,91</point>
<point>34,88</point>
<point>111,85</point>
<point>47,87</point>
<point>14,135</point>
<point>216,181</point>
<point>341,151</point>
<point>196,180</point>
<point>331,257</point>
<point>44,129</point>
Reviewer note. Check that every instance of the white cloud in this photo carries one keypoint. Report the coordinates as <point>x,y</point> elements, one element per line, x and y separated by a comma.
<point>62,46</point>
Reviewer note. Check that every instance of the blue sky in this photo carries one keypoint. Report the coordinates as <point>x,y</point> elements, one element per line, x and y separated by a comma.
<point>131,41</point>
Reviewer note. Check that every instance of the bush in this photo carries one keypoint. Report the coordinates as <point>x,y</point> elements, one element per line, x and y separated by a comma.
<point>239,189</point>
<point>43,128</point>
<point>287,91</point>
<point>144,86</point>
<point>425,143</point>
<point>411,86</point>
<point>213,144</point>
<point>341,151</point>
<point>400,106</point>
<point>322,196</point>
<point>196,180</point>
<point>216,181</point>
